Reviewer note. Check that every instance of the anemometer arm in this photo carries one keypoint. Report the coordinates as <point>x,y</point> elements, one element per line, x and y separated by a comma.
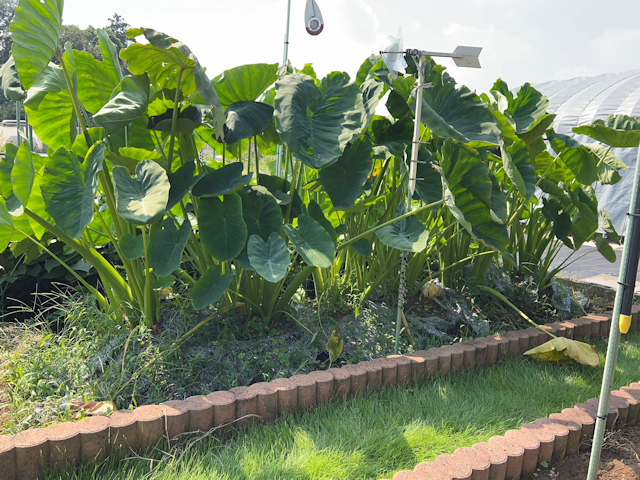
<point>462,56</point>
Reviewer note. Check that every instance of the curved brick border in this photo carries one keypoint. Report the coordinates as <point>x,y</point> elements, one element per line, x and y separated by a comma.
<point>23,456</point>
<point>518,453</point>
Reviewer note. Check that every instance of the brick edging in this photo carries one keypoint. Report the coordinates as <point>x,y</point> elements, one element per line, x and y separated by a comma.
<point>519,452</point>
<point>23,455</point>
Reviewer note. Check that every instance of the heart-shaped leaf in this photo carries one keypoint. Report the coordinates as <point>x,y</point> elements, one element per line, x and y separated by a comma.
<point>608,163</point>
<point>50,109</point>
<point>97,80</point>
<point>408,234</point>
<point>165,250</point>
<point>128,104</point>
<point>262,214</point>
<point>221,181</point>
<point>246,120</point>
<point>615,131</point>
<point>565,350</point>
<point>244,83</point>
<point>187,120</point>
<point>210,287</point>
<point>6,226</point>
<point>34,31</point>
<point>527,108</point>
<point>468,192</point>
<point>429,181</point>
<point>312,242</point>
<point>23,174</point>
<point>271,259</point>
<point>222,228</point>
<point>131,247</point>
<point>317,121</point>
<point>142,199</point>
<point>455,112</point>
<point>181,182</point>
<point>343,180</point>
<point>576,157</point>
<point>69,187</point>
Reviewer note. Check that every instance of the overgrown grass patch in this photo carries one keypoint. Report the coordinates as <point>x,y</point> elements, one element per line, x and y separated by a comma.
<point>375,435</point>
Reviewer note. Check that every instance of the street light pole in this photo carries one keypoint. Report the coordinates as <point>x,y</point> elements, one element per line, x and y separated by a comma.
<point>285,59</point>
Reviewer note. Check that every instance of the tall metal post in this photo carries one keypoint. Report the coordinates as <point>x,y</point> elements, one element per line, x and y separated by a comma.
<point>622,306</point>
<point>285,59</point>
<point>413,170</point>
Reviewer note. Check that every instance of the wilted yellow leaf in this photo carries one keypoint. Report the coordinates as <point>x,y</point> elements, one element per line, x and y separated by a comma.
<point>564,350</point>
<point>431,290</point>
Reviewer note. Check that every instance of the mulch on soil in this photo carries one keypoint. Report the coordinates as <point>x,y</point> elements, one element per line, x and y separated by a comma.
<point>620,459</point>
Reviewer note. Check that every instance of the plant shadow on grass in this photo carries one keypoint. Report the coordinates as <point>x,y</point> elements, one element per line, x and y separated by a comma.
<point>375,435</point>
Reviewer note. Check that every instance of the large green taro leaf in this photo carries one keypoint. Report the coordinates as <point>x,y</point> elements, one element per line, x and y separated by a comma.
<point>245,120</point>
<point>262,214</point>
<point>23,174</point>
<point>210,287</point>
<point>10,82</point>
<point>222,228</point>
<point>390,138</point>
<point>344,179</point>
<point>6,226</point>
<point>456,112</point>
<point>527,108</point>
<point>35,30</point>
<point>408,234</point>
<point>428,179</point>
<point>96,80</point>
<point>142,199</point>
<point>315,211</point>
<point>127,104</point>
<point>163,58</point>
<point>576,157</point>
<point>468,190</point>
<point>312,242</point>
<point>50,109</point>
<point>221,181</point>
<point>317,121</point>
<point>131,247</point>
<point>271,259</point>
<point>165,250</point>
<point>69,186</point>
<point>244,83</point>
<point>182,180</point>
<point>608,163</point>
<point>520,171</point>
<point>615,131</point>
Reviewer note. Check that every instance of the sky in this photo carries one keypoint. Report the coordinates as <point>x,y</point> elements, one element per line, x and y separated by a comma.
<point>522,41</point>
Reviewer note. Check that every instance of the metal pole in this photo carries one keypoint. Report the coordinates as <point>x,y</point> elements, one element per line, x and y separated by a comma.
<point>622,306</point>
<point>18,123</point>
<point>285,59</point>
<point>413,169</point>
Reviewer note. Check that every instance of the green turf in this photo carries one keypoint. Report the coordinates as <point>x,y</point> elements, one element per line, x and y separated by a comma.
<point>376,435</point>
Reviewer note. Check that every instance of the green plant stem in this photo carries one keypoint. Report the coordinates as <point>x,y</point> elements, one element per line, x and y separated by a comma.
<point>107,272</point>
<point>174,121</point>
<point>147,307</point>
<point>516,309</point>
<point>292,190</point>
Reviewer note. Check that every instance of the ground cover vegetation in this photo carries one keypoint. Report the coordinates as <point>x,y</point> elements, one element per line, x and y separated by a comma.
<point>126,206</point>
<point>373,436</point>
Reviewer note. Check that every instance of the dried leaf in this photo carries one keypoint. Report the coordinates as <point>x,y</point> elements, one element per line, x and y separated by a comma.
<point>98,408</point>
<point>431,290</point>
<point>564,350</point>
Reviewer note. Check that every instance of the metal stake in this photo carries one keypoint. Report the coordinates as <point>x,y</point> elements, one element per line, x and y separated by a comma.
<point>622,306</point>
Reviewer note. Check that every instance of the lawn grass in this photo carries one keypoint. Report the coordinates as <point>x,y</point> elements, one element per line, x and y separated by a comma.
<point>373,436</point>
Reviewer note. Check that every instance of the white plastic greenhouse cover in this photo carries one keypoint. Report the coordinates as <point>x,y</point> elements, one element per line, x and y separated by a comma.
<point>582,100</point>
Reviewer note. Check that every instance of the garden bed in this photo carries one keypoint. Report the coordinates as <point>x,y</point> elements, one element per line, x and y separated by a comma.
<point>149,424</point>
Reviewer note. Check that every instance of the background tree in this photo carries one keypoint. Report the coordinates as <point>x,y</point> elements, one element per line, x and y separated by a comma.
<point>81,39</point>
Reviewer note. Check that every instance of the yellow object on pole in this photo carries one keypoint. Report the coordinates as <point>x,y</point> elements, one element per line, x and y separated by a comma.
<point>624,321</point>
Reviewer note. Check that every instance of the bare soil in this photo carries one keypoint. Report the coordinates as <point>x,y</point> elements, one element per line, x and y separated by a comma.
<point>620,459</point>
